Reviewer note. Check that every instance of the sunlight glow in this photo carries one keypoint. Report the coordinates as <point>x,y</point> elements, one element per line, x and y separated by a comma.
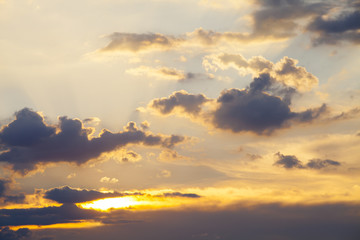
<point>80,224</point>
<point>111,203</point>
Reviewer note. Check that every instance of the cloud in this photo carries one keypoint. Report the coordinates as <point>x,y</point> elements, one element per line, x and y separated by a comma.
<point>21,234</point>
<point>319,164</point>
<point>272,20</point>
<point>179,194</point>
<point>279,19</point>
<point>28,141</point>
<point>291,161</point>
<point>168,74</point>
<point>135,42</point>
<point>72,195</point>
<point>67,213</point>
<point>164,174</point>
<point>109,180</point>
<point>332,30</point>
<point>8,198</point>
<point>182,100</point>
<point>284,71</point>
<point>288,161</point>
<point>262,108</point>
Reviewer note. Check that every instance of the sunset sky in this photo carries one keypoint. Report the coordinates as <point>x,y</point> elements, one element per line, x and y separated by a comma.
<point>180,120</point>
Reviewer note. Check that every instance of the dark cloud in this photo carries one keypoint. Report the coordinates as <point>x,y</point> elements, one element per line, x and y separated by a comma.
<point>67,142</point>
<point>8,198</point>
<point>67,213</point>
<point>137,42</point>
<point>344,27</point>
<point>21,234</point>
<point>258,222</point>
<point>179,194</point>
<point>189,103</point>
<point>319,164</point>
<point>278,18</point>
<point>291,161</point>
<point>27,129</point>
<point>262,108</point>
<point>242,110</point>
<point>288,161</point>
<point>71,195</point>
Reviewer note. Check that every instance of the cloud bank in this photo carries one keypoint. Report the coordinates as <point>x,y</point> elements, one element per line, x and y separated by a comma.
<point>28,141</point>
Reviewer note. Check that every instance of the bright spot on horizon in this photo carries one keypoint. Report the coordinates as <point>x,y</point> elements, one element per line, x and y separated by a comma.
<point>111,203</point>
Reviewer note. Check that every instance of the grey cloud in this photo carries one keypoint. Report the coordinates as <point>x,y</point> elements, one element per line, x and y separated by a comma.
<point>67,213</point>
<point>8,198</point>
<point>21,234</point>
<point>137,42</point>
<point>278,18</point>
<point>179,194</point>
<point>70,143</point>
<point>190,77</point>
<point>252,109</point>
<point>190,103</point>
<point>291,161</point>
<point>259,222</point>
<point>242,110</point>
<point>319,164</point>
<point>71,195</point>
<point>344,27</point>
<point>288,161</point>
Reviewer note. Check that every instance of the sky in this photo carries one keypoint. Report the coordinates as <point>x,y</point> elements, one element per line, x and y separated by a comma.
<point>179,119</point>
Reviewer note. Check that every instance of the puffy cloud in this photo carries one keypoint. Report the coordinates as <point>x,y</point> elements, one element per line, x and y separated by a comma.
<point>72,195</point>
<point>285,71</point>
<point>21,234</point>
<point>291,161</point>
<point>189,103</point>
<point>332,30</point>
<point>253,109</point>
<point>140,42</point>
<point>109,180</point>
<point>28,141</point>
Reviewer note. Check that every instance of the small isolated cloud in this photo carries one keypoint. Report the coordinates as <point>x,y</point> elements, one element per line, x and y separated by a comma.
<point>288,161</point>
<point>28,141</point>
<point>167,73</point>
<point>109,180</point>
<point>291,161</point>
<point>170,155</point>
<point>319,164</point>
<point>73,195</point>
<point>135,42</point>
<point>164,174</point>
<point>179,194</point>
<point>188,103</point>
<point>71,175</point>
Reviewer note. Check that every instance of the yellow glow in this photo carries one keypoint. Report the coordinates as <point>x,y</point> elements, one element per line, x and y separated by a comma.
<point>109,203</point>
<point>81,224</point>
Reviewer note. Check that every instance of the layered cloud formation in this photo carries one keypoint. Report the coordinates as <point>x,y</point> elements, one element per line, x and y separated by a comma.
<point>261,108</point>
<point>270,21</point>
<point>28,141</point>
